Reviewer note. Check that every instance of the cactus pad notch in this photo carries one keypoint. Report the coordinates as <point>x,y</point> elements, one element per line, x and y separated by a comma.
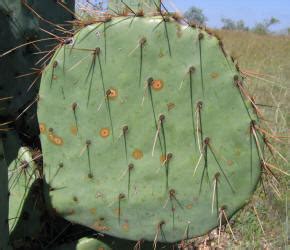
<point>145,134</point>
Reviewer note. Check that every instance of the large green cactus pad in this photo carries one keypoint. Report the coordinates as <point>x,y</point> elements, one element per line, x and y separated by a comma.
<point>126,114</point>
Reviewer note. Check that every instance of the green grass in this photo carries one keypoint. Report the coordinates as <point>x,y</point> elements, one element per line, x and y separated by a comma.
<point>267,59</point>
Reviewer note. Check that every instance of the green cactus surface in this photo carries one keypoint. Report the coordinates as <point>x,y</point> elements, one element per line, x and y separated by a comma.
<point>145,131</point>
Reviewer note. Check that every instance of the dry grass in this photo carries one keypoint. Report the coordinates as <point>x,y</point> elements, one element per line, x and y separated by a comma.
<point>269,56</point>
<point>267,59</point>
<point>263,223</point>
<point>262,53</point>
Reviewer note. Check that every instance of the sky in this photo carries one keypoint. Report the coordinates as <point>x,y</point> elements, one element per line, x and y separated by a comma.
<point>251,11</point>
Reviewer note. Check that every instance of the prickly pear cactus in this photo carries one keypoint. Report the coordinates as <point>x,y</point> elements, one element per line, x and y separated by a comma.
<point>145,130</point>
<point>22,174</point>
<point>23,22</point>
<point>23,219</point>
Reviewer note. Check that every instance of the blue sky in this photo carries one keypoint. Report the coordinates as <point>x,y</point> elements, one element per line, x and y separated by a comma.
<point>251,11</point>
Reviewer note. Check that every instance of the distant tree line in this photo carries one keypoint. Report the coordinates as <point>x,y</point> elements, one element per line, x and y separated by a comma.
<point>260,28</point>
<point>197,16</point>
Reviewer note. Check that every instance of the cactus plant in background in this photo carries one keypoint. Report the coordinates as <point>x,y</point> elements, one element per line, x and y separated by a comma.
<point>147,129</point>
<point>25,30</point>
<point>22,218</point>
<point>4,228</point>
<point>27,24</point>
<point>28,226</point>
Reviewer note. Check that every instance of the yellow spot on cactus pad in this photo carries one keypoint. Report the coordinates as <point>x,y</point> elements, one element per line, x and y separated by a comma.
<point>93,210</point>
<point>157,85</point>
<point>189,206</point>
<point>42,128</point>
<point>98,226</point>
<point>74,130</point>
<point>214,75</point>
<point>104,132</point>
<point>137,154</point>
<point>117,211</point>
<point>170,106</point>
<point>55,139</point>
<point>162,158</point>
<point>68,212</point>
<point>125,227</point>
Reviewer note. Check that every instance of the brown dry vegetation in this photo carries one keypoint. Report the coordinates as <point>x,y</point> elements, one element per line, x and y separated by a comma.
<point>263,223</point>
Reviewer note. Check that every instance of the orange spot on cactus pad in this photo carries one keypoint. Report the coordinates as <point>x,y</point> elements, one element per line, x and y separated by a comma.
<point>125,227</point>
<point>117,211</point>
<point>104,132</point>
<point>42,128</point>
<point>137,154</point>
<point>157,85</point>
<point>162,158</point>
<point>214,75</point>
<point>189,206</point>
<point>99,226</point>
<point>170,106</point>
<point>112,94</point>
<point>74,130</point>
<point>55,139</point>
<point>93,210</point>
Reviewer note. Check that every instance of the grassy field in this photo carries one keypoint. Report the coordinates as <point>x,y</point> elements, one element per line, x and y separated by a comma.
<point>265,59</point>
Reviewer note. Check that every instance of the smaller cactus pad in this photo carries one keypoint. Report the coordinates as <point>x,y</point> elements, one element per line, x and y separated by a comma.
<point>24,212</point>
<point>83,244</point>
